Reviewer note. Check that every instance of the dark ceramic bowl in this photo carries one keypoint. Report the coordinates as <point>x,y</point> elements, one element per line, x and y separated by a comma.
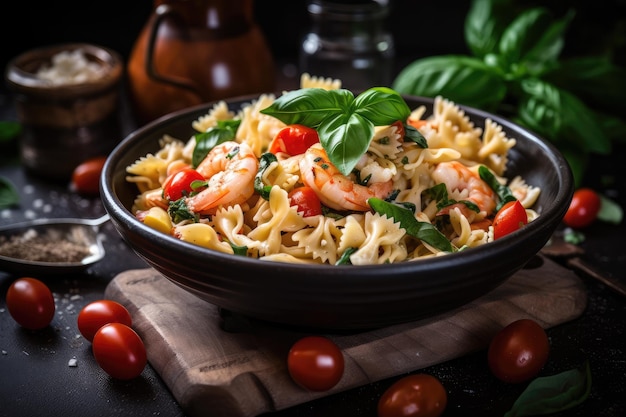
<point>339,297</point>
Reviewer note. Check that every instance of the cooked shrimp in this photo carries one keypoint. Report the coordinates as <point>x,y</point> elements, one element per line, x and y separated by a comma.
<point>333,188</point>
<point>457,176</point>
<point>230,169</point>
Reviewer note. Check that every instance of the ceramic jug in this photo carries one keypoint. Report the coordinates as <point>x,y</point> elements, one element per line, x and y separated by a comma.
<point>195,51</point>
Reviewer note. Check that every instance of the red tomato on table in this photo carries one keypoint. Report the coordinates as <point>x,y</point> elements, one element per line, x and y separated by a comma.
<point>98,313</point>
<point>511,217</point>
<point>315,363</point>
<point>30,303</point>
<point>518,351</point>
<point>86,176</point>
<point>179,183</point>
<point>419,395</point>
<point>294,140</point>
<point>583,209</point>
<point>119,351</point>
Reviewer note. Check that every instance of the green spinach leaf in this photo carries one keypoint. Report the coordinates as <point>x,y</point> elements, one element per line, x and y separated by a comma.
<point>419,230</point>
<point>548,395</point>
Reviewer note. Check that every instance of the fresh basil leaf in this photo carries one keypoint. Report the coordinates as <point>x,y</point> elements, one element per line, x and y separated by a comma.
<point>503,192</point>
<point>610,211</point>
<point>595,80</point>
<point>225,131</point>
<point>179,211</point>
<point>264,162</point>
<point>484,24</point>
<point>533,42</point>
<point>309,106</point>
<point>462,79</point>
<point>423,231</point>
<point>239,250</point>
<point>9,130</point>
<point>381,106</point>
<point>346,138</point>
<point>8,194</point>
<point>560,116</point>
<point>438,192</point>
<point>551,394</point>
<point>345,257</point>
<point>344,124</point>
<point>415,136</point>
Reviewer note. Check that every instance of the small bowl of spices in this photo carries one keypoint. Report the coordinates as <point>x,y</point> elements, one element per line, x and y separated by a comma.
<point>51,246</point>
<point>67,100</point>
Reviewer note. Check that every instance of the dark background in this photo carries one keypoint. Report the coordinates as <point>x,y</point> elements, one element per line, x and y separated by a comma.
<point>420,28</point>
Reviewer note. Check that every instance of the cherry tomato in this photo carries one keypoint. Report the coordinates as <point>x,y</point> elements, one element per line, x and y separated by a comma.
<point>583,209</point>
<point>30,303</point>
<point>294,140</point>
<point>307,201</point>
<point>315,363</point>
<point>511,217</point>
<point>419,395</point>
<point>519,351</point>
<point>86,176</point>
<point>399,128</point>
<point>119,351</point>
<point>98,313</point>
<point>178,184</point>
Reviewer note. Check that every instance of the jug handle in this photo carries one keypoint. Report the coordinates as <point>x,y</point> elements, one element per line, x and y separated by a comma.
<point>161,13</point>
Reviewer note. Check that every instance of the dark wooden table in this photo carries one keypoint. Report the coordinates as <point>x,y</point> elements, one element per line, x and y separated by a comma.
<point>36,379</point>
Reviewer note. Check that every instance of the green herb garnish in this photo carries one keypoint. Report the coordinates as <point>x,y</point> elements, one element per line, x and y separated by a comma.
<point>345,124</point>
<point>8,194</point>
<point>264,162</point>
<point>205,141</point>
<point>420,230</point>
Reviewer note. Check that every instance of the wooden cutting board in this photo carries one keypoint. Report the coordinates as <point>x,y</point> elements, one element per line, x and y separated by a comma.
<point>219,372</point>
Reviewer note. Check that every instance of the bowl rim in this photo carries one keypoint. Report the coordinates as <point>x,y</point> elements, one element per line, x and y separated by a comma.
<point>120,214</point>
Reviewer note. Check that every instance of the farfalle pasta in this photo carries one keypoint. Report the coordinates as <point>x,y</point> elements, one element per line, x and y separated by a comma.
<point>438,173</point>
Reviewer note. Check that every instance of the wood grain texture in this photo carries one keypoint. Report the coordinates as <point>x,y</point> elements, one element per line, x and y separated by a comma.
<point>214,371</point>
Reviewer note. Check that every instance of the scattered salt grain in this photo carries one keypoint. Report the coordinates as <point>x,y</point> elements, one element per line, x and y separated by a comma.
<point>73,363</point>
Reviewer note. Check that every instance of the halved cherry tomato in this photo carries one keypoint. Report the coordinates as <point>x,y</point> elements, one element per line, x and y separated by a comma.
<point>583,209</point>
<point>119,351</point>
<point>86,176</point>
<point>98,313</point>
<point>307,201</point>
<point>30,303</point>
<point>178,184</point>
<point>315,363</point>
<point>518,351</point>
<point>419,395</point>
<point>511,217</point>
<point>294,140</point>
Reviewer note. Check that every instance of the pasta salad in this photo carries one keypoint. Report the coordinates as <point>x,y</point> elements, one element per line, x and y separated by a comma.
<point>317,175</point>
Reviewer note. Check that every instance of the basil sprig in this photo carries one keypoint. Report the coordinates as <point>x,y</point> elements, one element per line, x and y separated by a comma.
<point>515,68</point>
<point>423,231</point>
<point>205,141</point>
<point>344,123</point>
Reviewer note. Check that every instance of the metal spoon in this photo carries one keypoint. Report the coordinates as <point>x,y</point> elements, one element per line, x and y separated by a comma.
<point>81,233</point>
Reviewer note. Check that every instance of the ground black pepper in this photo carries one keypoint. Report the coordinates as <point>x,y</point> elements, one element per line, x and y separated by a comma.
<point>32,246</point>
